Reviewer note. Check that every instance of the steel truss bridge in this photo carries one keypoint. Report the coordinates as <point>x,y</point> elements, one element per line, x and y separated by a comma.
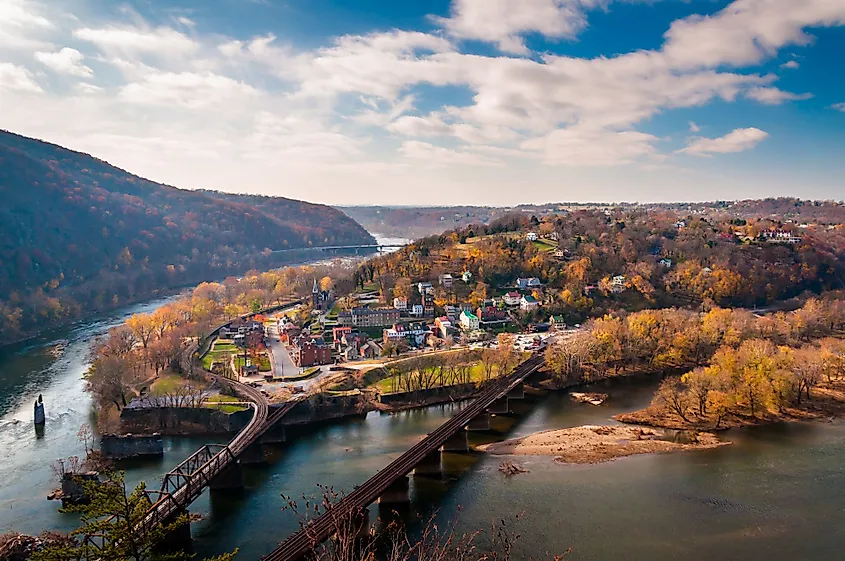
<point>184,483</point>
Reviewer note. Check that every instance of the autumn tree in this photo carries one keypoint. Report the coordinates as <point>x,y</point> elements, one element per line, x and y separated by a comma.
<point>108,523</point>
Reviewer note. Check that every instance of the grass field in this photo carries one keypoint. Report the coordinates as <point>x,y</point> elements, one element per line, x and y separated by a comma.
<point>545,245</point>
<point>222,403</point>
<point>168,384</point>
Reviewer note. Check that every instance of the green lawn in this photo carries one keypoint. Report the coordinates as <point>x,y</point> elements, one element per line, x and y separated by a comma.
<point>167,384</point>
<point>220,403</point>
<point>545,245</point>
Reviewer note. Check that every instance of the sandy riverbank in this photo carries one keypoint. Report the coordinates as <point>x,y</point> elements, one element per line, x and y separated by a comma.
<point>591,444</point>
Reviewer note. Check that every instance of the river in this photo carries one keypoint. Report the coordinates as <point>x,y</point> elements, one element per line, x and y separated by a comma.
<point>776,493</point>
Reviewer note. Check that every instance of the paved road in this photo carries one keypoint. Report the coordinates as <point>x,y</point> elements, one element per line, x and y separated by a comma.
<point>284,365</point>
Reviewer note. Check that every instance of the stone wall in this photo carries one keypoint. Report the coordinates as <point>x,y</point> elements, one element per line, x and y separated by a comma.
<point>116,447</point>
<point>425,396</point>
<point>182,420</point>
<point>323,407</point>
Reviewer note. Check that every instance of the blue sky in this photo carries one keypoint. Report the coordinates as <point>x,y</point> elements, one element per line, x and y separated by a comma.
<point>440,102</point>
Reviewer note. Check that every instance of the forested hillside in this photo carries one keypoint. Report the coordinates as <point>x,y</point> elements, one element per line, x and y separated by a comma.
<point>593,261</point>
<point>78,235</point>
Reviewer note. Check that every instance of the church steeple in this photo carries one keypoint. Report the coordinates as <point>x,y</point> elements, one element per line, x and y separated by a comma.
<point>315,290</point>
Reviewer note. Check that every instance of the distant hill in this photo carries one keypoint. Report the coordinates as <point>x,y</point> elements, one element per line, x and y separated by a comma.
<point>418,222</point>
<point>78,235</point>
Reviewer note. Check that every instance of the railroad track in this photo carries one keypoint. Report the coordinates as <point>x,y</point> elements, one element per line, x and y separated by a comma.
<point>301,543</point>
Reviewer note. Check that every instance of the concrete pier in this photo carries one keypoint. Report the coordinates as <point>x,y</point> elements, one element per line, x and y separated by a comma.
<point>499,407</point>
<point>275,435</point>
<point>230,479</point>
<point>517,392</point>
<point>480,423</point>
<point>429,466</point>
<point>397,493</point>
<point>38,412</point>
<point>252,455</point>
<point>179,539</point>
<point>458,442</point>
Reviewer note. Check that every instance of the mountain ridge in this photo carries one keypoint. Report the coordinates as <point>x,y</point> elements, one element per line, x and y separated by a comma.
<point>79,235</point>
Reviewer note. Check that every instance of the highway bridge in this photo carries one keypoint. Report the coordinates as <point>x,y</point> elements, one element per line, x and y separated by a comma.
<point>373,247</point>
<point>319,529</point>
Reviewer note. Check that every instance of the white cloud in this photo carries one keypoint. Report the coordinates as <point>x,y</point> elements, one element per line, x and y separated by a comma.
<point>86,88</point>
<point>130,41</point>
<point>504,22</point>
<point>65,61</point>
<point>380,64</point>
<point>190,90</point>
<point>790,65</point>
<point>23,25</point>
<point>13,77</point>
<point>437,155</point>
<point>584,147</point>
<point>737,140</point>
<point>747,31</point>
<point>192,107</point>
<point>774,96</point>
<point>839,106</point>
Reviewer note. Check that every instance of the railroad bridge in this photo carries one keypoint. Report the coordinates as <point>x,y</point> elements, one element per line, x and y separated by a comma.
<point>391,483</point>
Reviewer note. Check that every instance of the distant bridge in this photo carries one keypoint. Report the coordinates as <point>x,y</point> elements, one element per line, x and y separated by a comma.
<point>492,399</point>
<point>374,247</point>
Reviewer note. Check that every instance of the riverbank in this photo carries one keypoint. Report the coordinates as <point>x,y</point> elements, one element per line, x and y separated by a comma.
<point>592,444</point>
<point>827,403</point>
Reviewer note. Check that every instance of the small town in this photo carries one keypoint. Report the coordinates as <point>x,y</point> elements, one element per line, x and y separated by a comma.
<point>456,280</point>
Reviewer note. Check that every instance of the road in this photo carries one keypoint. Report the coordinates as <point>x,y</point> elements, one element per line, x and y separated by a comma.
<point>283,364</point>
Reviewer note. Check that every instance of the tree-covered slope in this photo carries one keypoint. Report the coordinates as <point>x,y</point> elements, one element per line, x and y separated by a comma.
<point>79,235</point>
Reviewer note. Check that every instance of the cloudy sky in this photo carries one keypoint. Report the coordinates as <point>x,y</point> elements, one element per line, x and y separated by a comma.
<point>438,101</point>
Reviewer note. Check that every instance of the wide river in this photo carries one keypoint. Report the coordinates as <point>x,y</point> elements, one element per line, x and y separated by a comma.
<point>777,493</point>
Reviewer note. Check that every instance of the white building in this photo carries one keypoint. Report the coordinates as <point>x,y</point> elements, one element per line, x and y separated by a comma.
<point>469,321</point>
<point>531,236</point>
<point>417,310</point>
<point>512,298</point>
<point>445,280</point>
<point>400,304</point>
<point>531,282</point>
<point>528,303</point>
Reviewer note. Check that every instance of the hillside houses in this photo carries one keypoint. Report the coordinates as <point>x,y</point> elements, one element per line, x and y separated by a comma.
<point>528,283</point>
<point>310,351</point>
<point>469,321</point>
<point>368,317</point>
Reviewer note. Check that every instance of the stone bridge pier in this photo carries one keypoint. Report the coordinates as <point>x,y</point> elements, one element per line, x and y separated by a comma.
<point>399,492</point>
<point>230,479</point>
<point>179,539</point>
<point>429,466</point>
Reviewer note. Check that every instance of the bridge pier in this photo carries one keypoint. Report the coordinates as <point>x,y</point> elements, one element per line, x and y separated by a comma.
<point>254,454</point>
<point>499,407</point>
<point>458,442</point>
<point>429,466</point>
<point>275,435</point>
<point>479,423</point>
<point>230,479</point>
<point>179,538</point>
<point>397,492</point>
<point>518,392</point>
